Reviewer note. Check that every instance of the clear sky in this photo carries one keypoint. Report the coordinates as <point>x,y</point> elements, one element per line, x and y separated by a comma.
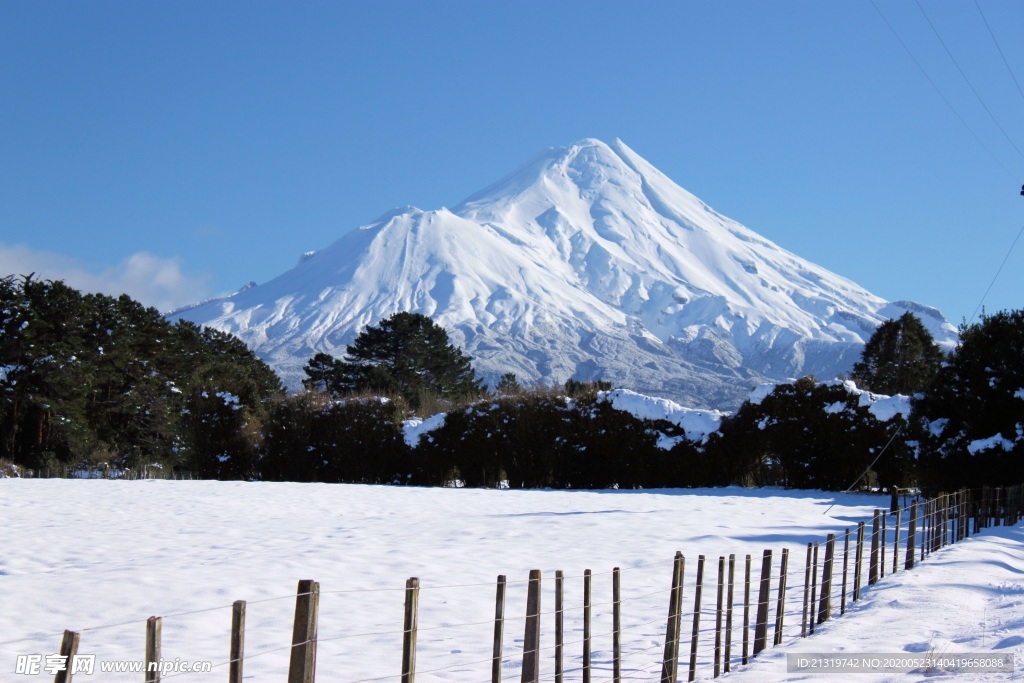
<point>177,150</point>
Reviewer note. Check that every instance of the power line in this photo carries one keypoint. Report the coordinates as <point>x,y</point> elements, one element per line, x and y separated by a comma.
<point>940,93</point>
<point>998,271</point>
<point>968,80</point>
<point>1000,50</point>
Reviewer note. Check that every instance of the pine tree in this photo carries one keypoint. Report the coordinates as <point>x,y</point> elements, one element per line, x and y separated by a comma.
<point>900,358</point>
<point>509,384</point>
<point>323,374</point>
<point>971,424</point>
<point>409,355</point>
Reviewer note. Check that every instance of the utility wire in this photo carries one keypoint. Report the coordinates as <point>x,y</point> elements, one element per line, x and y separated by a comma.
<point>1005,259</point>
<point>999,49</point>
<point>968,80</point>
<point>940,93</point>
<point>1009,251</point>
<point>975,315</point>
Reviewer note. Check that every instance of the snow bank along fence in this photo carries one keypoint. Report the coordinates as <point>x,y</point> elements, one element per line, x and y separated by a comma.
<point>747,609</point>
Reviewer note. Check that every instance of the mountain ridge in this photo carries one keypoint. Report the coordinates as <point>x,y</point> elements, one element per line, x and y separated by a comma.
<point>586,262</point>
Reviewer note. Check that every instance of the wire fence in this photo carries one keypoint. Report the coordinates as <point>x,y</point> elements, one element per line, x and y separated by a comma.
<point>708,615</point>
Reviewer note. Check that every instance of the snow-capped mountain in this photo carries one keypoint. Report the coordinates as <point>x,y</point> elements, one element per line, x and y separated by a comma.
<point>588,263</point>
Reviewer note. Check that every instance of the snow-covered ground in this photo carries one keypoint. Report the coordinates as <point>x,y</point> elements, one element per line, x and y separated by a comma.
<point>102,556</point>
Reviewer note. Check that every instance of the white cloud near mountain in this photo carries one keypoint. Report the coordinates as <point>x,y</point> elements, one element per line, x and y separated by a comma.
<point>161,282</point>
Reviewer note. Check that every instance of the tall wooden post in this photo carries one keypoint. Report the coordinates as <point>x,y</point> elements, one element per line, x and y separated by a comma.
<point>881,546</point>
<point>68,650</point>
<point>302,666</point>
<point>761,627</point>
<point>780,607</point>
<point>746,609</point>
<point>531,638</point>
<point>153,627</point>
<point>728,613</point>
<point>873,564</point>
<point>911,536</point>
<point>587,602</point>
<point>807,591</point>
<point>412,602</point>
<point>846,565</point>
<point>858,561</point>
<point>825,607</point>
<point>670,660</point>
<point>616,626</point>
<point>814,587</point>
<point>718,616</point>
<point>896,542</point>
<point>499,629</point>
<point>237,642</point>
<point>696,617</point>
<point>559,619</point>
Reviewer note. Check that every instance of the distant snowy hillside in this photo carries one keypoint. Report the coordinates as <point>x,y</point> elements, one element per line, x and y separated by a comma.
<point>588,263</point>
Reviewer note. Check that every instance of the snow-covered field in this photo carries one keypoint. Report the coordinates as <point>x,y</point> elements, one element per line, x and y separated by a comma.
<point>102,556</point>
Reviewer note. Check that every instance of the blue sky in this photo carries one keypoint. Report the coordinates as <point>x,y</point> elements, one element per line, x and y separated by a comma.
<point>177,150</point>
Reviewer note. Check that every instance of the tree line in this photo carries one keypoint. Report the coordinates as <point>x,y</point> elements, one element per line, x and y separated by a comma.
<point>87,380</point>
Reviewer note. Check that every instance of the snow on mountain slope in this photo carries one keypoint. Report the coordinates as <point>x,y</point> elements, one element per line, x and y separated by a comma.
<point>587,262</point>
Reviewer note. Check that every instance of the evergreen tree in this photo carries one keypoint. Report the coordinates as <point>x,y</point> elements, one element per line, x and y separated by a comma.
<point>900,358</point>
<point>323,374</point>
<point>408,355</point>
<point>809,435</point>
<point>508,384</point>
<point>102,380</point>
<point>971,424</point>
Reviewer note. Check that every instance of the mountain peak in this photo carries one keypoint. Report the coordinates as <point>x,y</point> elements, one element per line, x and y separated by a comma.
<point>586,262</point>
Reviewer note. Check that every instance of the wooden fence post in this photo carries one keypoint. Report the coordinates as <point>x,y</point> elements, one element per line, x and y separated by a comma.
<point>302,667</point>
<point>68,650</point>
<point>959,534</point>
<point>951,518</point>
<point>499,629</point>
<point>696,618</point>
<point>412,603</point>
<point>881,545</point>
<point>237,642</point>
<point>559,619</point>
<point>670,660</point>
<point>761,627</point>
<point>846,567</point>
<point>896,541</point>
<point>531,637</point>
<point>718,616</point>
<point>746,609</point>
<point>858,561</point>
<point>911,536</point>
<point>728,613</point>
<point>616,626</point>
<point>873,563</point>
<point>972,511</point>
<point>825,607</point>
<point>814,588</point>
<point>780,607</point>
<point>928,529</point>
<point>944,520</point>
<point>807,591</point>
<point>153,627</point>
<point>587,601</point>
<point>925,522</point>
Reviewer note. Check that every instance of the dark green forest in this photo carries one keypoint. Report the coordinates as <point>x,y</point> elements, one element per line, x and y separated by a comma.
<point>89,382</point>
